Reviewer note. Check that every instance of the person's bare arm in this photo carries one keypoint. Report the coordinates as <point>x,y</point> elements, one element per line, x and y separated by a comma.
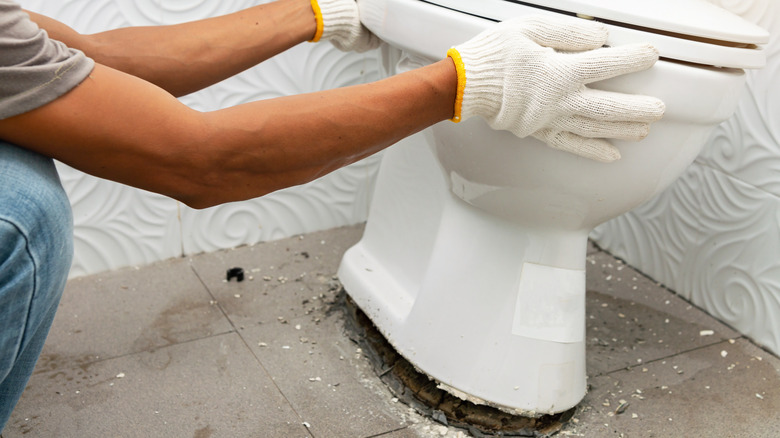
<point>186,57</point>
<point>119,127</point>
<point>122,125</point>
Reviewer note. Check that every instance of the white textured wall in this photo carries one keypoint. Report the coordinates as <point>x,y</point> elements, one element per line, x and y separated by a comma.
<point>714,236</point>
<point>117,226</point>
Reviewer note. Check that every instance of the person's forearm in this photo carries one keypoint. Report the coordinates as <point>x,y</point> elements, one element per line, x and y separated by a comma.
<point>186,57</point>
<point>152,141</point>
<point>325,131</point>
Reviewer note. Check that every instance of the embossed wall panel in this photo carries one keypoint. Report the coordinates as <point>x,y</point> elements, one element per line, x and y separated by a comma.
<point>334,200</point>
<point>714,235</point>
<point>748,146</point>
<point>117,226</point>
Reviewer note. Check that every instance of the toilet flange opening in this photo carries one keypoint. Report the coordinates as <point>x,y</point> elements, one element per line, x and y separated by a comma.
<point>420,392</point>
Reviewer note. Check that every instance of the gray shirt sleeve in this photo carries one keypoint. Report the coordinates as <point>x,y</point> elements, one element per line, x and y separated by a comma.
<point>34,70</point>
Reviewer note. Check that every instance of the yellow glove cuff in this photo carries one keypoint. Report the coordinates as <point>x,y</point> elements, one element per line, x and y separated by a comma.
<point>460,68</point>
<point>317,16</point>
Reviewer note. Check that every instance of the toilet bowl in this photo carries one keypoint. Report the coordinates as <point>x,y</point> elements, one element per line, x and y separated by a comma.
<point>472,263</point>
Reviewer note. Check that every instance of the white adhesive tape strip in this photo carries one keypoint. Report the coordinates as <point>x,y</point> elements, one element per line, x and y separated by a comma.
<point>550,304</point>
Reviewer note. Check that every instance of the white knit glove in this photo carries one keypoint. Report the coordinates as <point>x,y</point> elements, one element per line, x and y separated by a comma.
<point>528,75</point>
<point>339,22</point>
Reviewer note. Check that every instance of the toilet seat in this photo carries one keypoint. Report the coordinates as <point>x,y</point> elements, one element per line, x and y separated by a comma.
<point>693,31</point>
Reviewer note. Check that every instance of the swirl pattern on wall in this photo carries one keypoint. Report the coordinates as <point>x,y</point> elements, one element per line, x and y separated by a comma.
<point>655,235</point>
<point>732,271</point>
<point>337,199</point>
<point>714,235</point>
<point>116,225</point>
<point>748,146</point>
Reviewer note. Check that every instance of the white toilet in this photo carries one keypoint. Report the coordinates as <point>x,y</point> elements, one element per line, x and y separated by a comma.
<point>472,264</point>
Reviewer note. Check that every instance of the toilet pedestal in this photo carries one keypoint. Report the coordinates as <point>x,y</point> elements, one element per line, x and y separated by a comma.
<point>495,313</point>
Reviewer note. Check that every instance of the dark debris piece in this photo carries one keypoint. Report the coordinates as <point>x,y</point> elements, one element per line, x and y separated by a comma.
<point>237,273</point>
<point>439,416</point>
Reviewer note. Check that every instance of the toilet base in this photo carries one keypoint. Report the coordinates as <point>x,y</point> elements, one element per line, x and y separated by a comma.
<point>416,390</point>
<point>494,312</point>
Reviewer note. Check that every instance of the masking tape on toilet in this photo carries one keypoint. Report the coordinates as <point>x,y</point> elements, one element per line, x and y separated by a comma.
<point>550,304</point>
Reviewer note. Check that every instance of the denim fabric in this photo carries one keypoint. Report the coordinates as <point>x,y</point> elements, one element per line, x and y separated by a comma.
<point>36,251</point>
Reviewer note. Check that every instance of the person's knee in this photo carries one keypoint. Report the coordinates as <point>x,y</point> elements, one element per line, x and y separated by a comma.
<point>34,203</point>
<point>36,250</point>
<point>48,228</point>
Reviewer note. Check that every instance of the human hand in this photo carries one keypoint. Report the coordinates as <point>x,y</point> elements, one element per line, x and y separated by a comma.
<point>339,22</point>
<point>528,75</point>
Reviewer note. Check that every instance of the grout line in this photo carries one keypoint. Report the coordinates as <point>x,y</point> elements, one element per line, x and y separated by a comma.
<point>181,231</point>
<point>213,297</point>
<point>251,351</point>
<point>631,367</point>
<point>383,433</point>
<point>133,353</point>
<point>727,174</point>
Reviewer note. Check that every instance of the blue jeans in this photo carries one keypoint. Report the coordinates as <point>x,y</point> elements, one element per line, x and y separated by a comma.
<point>36,251</point>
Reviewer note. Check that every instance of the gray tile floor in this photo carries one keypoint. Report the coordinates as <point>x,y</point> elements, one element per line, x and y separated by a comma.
<point>173,350</point>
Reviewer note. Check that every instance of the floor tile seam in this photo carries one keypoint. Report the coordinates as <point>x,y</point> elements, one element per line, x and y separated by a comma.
<point>671,356</point>
<point>236,327</point>
<point>757,345</point>
<point>156,349</point>
<point>251,351</point>
<point>214,298</point>
<point>381,434</point>
<point>230,320</point>
<point>656,283</point>
<point>271,378</point>
<point>203,283</point>
<point>133,353</point>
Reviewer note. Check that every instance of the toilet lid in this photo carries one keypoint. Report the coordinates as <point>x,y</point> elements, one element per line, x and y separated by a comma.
<point>694,31</point>
<point>695,18</point>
